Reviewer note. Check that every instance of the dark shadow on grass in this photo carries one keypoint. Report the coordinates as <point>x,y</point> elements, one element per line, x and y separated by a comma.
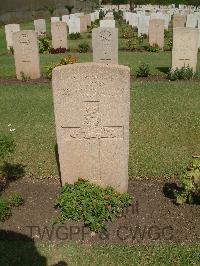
<point>17,249</point>
<point>168,190</point>
<point>164,70</point>
<point>57,161</point>
<point>10,172</point>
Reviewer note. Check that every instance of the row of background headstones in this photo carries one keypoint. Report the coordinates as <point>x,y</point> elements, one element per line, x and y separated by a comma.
<point>105,44</point>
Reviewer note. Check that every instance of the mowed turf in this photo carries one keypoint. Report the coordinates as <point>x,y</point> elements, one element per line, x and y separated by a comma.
<point>26,254</point>
<point>164,127</point>
<point>159,62</point>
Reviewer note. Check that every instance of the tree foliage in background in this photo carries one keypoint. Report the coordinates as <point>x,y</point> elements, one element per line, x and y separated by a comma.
<point>153,2</point>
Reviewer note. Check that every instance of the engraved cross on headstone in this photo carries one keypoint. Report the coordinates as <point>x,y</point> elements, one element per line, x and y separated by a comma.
<point>92,129</point>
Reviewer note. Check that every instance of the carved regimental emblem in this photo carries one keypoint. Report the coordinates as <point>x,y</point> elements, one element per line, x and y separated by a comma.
<point>92,127</point>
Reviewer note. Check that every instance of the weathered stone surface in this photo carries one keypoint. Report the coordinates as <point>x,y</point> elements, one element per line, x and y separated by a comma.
<point>55,19</point>
<point>91,103</point>
<point>59,34</point>
<point>156,32</point>
<point>191,21</point>
<point>83,23</point>
<point>107,23</point>
<point>40,26</point>
<point>66,19</point>
<point>185,47</point>
<point>105,45</point>
<point>143,25</point>
<point>179,21</point>
<point>88,16</point>
<point>134,19</point>
<point>74,25</point>
<point>26,54</point>
<point>9,30</point>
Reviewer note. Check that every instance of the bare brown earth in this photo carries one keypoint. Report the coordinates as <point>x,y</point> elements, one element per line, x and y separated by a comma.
<point>152,218</point>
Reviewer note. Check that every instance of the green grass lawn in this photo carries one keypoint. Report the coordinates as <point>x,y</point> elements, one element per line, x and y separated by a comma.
<point>159,62</point>
<point>164,134</point>
<point>26,254</point>
<point>164,127</point>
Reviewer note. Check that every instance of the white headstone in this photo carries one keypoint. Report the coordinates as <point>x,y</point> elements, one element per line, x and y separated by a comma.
<point>107,23</point>
<point>66,19</point>
<point>40,26</point>
<point>26,54</point>
<point>59,34</point>
<point>134,20</point>
<point>74,25</point>
<point>92,105</point>
<point>105,45</point>
<point>55,19</point>
<point>191,21</point>
<point>10,29</point>
<point>143,25</point>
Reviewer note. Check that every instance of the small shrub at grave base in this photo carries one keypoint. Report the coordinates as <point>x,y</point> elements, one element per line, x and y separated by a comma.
<point>74,36</point>
<point>7,145</point>
<point>24,77</point>
<point>64,61</point>
<point>11,50</point>
<point>168,46</point>
<point>152,48</point>
<point>59,50</point>
<point>6,205</point>
<point>185,73</point>
<point>189,191</point>
<point>5,209</point>
<point>127,33</point>
<point>83,47</point>
<point>144,36</point>
<point>90,203</point>
<point>15,200</point>
<point>133,45</point>
<point>143,70</point>
<point>44,44</point>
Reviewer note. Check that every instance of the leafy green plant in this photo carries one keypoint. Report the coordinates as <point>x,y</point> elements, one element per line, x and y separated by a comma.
<point>7,145</point>
<point>189,191</point>
<point>143,70</point>
<point>6,205</point>
<point>15,200</point>
<point>74,36</point>
<point>11,50</point>
<point>185,73</point>
<point>44,44</point>
<point>153,48</point>
<point>83,47</point>
<point>127,32</point>
<point>168,46</point>
<point>64,61</point>
<point>24,77</point>
<point>90,203</point>
<point>5,210</point>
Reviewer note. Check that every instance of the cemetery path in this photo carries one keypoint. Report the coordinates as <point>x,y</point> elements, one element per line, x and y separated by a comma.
<point>152,218</point>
